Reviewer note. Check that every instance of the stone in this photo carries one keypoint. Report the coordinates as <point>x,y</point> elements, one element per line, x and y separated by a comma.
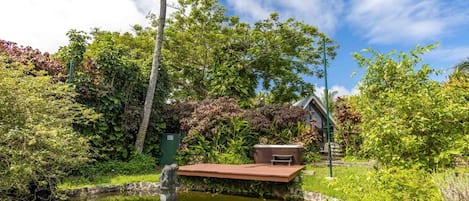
<point>312,196</point>
<point>168,183</point>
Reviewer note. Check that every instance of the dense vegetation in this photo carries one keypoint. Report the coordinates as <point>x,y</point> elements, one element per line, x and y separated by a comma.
<point>219,131</point>
<point>111,69</point>
<point>37,113</point>
<point>414,126</point>
<point>211,66</point>
<point>111,79</point>
<point>409,120</point>
<point>227,57</point>
<point>94,118</point>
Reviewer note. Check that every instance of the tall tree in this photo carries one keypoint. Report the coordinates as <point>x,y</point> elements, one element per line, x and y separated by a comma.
<point>212,54</point>
<point>153,79</point>
<point>72,55</point>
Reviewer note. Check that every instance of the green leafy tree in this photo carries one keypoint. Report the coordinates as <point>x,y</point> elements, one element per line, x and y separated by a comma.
<point>456,91</point>
<point>72,55</point>
<point>38,143</point>
<point>112,79</point>
<point>407,119</point>
<point>209,53</point>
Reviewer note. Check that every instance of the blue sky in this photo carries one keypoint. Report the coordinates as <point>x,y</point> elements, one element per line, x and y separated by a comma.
<point>354,24</point>
<point>383,25</point>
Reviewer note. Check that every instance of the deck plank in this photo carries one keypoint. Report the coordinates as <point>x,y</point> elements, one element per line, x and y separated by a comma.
<point>259,172</point>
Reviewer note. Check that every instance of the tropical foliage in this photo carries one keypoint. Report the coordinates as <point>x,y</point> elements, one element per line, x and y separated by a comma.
<point>407,118</point>
<point>227,57</point>
<point>219,131</point>
<point>38,143</point>
<point>348,131</point>
<point>112,79</point>
<point>205,53</point>
<point>388,184</point>
<point>212,65</point>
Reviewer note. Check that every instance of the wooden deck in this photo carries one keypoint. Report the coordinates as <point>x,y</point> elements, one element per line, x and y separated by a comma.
<point>259,172</point>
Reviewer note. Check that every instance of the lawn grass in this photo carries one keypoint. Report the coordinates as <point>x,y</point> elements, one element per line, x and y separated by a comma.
<point>319,183</point>
<point>345,176</point>
<point>354,159</point>
<point>81,182</point>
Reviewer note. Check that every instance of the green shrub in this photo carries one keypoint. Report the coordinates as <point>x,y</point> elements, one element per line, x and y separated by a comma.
<point>407,118</point>
<point>219,131</point>
<point>217,134</point>
<point>231,144</point>
<point>393,184</point>
<point>77,182</point>
<point>38,144</point>
<point>138,164</point>
<point>348,122</point>
<point>111,76</point>
<point>404,184</point>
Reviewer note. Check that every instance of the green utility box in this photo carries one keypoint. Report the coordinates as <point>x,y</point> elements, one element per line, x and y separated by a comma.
<point>169,147</point>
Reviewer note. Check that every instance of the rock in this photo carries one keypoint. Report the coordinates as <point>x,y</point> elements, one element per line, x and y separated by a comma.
<point>312,196</point>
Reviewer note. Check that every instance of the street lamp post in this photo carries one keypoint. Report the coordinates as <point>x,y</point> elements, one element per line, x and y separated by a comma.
<point>326,93</point>
<point>70,72</point>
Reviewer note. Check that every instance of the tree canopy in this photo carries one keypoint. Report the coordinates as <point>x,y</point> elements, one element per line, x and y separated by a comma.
<point>210,53</point>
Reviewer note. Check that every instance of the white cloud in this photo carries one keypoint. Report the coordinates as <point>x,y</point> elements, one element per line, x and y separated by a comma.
<point>323,14</point>
<point>450,54</point>
<point>341,91</point>
<point>146,6</point>
<point>387,21</point>
<point>251,10</point>
<point>43,24</point>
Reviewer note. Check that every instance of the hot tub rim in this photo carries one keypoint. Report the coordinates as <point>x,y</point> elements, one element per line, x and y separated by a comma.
<point>287,146</point>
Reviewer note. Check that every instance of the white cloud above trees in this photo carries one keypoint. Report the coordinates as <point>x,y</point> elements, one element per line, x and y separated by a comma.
<point>323,14</point>
<point>340,91</point>
<point>43,24</point>
<point>378,21</point>
<point>390,21</point>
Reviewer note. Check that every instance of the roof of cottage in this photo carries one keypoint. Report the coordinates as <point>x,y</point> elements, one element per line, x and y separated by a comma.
<point>303,103</point>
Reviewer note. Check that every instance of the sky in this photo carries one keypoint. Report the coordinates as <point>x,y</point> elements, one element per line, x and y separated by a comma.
<point>383,25</point>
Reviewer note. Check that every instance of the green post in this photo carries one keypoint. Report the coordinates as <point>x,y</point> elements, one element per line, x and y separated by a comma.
<point>70,72</point>
<point>326,93</point>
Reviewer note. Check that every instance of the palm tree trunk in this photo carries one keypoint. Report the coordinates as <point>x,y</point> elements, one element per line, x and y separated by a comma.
<point>153,78</point>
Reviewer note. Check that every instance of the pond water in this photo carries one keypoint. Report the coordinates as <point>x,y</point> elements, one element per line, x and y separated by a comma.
<point>184,196</point>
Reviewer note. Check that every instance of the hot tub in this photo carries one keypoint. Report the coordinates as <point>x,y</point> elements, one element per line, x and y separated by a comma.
<point>263,152</point>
